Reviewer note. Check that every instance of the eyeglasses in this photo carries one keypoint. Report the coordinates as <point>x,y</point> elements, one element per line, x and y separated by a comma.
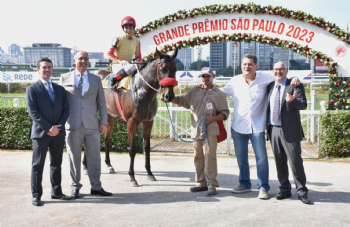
<point>81,59</point>
<point>281,69</point>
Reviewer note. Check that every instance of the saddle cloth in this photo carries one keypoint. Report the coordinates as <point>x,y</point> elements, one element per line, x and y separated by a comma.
<point>124,83</point>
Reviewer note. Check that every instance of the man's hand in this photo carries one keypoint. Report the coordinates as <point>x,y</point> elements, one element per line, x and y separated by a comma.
<point>54,130</point>
<point>209,120</point>
<point>290,98</point>
<point>295,82</point>
<point>103,129</point>
<point>162,98</point>
<point>196,87</point>
<point>124,63</point>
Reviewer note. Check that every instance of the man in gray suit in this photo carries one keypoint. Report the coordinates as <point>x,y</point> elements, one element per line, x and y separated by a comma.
<point>86,98</point>
<point>285,131</point>
<point>48,108</point>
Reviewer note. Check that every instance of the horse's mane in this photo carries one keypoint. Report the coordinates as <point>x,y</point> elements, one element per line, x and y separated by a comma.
<point>147,62</point>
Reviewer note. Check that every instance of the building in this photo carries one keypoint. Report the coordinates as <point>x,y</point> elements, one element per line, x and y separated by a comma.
<point>234,54</point>
<point>15,49</point>
<point>96,55</point>
<point>218,55</point>
<point>60,56</point>
<point>186,56</point>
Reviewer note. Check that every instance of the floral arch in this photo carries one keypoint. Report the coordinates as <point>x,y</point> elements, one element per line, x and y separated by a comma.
<point>277,26</point>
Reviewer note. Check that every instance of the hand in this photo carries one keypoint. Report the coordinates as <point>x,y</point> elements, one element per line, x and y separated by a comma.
<point>124,63</point>
<point>162,98</point>
<point>54,130</point>
<point>295,82</point>
<point>49,133</point>
<point>103,129</point>
<point>290,98</point>
<point>209,120</point>
<point>196,87</point>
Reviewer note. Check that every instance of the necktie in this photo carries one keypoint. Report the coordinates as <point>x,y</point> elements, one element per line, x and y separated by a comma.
<point>276,106</point>
<point>50,91</point>
<point>80,84</point>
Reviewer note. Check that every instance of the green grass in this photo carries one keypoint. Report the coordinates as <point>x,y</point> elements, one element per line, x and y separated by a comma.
<point>9,100</point>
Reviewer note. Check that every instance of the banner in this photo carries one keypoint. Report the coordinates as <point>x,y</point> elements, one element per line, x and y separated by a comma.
<point>19,77</point>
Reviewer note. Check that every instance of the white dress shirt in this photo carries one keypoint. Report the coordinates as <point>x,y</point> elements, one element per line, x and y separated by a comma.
<point>272,99</point>
<point>46,84</point>
<point>249,102</point>
<point>85,81</point>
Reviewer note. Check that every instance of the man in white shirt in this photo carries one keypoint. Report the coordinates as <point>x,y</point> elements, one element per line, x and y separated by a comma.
<point>249,100</point>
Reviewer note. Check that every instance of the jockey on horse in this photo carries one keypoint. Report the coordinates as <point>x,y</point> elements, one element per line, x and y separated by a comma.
<point>125,49</point>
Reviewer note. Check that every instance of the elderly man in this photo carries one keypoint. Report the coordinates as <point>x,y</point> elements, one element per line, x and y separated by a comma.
<point>248,93</point>
<point>285,131</point>
<point>205,103</point>
<point>86,98</point>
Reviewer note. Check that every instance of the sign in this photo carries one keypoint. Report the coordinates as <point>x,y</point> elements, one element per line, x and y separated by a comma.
<point>19,77</point>
<point>189,76</point>
<point>304,34</point>
<point>320,68</point>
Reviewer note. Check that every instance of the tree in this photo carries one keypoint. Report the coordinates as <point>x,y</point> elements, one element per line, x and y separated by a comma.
<point>179,65</point>
<point>198,65</point>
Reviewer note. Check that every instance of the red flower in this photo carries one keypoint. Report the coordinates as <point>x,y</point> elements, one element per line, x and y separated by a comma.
<point>263,11</point>
<point>349,85</point>
<point>330,102</point>
<point>333,71</point>
<point>312,22</point>
<point>348,94</point>
<point>341,103</point>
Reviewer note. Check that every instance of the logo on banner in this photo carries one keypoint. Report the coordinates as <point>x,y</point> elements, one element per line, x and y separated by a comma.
<point>186,74</point>
<point>6,77</point>
<point>340,51</point>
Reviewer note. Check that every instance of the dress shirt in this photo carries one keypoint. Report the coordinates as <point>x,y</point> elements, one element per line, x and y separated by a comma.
<point>249,102</point>
<point>46,84</point>
<point>85,81</point>
<point>272,97</point>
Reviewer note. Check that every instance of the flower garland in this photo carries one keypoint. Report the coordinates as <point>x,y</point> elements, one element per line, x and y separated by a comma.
<point>249,8</point>
<point>339,95</point>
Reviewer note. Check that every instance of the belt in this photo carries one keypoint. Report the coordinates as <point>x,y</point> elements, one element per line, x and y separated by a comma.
<point>276,126</point>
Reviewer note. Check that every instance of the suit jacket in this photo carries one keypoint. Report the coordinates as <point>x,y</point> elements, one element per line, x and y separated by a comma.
<point>43,111</point>
<point>83,110</point>
<point>290,116</point>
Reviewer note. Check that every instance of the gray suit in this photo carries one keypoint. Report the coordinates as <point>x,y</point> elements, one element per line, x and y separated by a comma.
<point>285,139</point>
<point>83,127</point>
<point>45,113</point>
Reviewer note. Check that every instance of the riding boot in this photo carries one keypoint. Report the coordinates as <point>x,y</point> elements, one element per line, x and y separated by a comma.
<point>123,72</point>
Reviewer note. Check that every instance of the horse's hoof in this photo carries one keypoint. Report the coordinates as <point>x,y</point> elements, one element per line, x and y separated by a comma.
<point>85,171</point>
<point>111,169</point>
<point>134,183</point>
<point>151,178</point>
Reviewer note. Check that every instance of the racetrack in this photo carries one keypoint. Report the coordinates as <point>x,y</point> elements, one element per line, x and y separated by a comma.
<point>168,201</point>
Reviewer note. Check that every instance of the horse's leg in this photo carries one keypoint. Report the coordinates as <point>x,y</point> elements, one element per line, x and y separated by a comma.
<point>110,127</point>
<point>132,125</point>
<point>146,132</point>
<point>85,171</point>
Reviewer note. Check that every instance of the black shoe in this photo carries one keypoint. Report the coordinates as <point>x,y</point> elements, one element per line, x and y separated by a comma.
<point>304,199</point>
<point>198,189</point>
<point>36,202</point>
<point>283,195</point>
<point>62,196</point>
<point>75,194</point>
<point>100,192</point>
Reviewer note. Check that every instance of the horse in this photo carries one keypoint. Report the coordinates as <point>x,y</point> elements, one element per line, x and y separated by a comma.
<point>139,106</point>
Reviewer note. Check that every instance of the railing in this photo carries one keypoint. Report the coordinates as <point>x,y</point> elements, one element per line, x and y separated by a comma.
<point>15,101</point>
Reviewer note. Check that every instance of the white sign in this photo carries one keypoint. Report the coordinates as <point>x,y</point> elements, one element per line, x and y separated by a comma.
<point>276,27</point>
<point>19,77</point>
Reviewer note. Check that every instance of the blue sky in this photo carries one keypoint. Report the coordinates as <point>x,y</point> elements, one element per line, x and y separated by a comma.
<point>91,25</point>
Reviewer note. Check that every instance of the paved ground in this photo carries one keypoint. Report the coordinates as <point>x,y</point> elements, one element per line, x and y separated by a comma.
<point>168,201</point>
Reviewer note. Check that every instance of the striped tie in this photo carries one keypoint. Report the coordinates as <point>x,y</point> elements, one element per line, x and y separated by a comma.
<point>80,84</point>
<point>50,92</point>
<point>276,106</point>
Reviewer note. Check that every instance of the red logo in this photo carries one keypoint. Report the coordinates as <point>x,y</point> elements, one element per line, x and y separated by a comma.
<point>340,51</point>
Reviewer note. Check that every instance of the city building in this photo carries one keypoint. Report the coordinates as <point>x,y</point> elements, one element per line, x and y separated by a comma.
<point>96,55</point>
<point>218,55</point>
<point>234,54</point>
<point>186,56</point>
<point>60,56</point>
<point>15,49</point>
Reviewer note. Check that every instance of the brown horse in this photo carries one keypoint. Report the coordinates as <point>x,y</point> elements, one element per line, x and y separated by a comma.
<point>139,105</point>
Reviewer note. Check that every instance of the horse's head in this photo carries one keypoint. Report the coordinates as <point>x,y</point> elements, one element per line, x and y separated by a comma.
<point>166,73</point>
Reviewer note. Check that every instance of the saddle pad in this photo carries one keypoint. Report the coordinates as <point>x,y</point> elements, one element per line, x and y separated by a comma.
<point>124,83</point>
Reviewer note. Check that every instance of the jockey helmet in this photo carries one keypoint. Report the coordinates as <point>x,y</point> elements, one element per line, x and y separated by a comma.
<point>128,20</point>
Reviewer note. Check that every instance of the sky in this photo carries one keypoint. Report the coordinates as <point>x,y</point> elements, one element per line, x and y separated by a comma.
<point>91,25</point>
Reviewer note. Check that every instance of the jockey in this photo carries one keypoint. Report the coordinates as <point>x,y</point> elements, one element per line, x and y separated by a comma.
<point>124,49</point>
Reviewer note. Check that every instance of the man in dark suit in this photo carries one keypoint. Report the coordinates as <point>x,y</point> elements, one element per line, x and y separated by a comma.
<point>285,131</point>
<point>48,107</point>
<point>86,98</point>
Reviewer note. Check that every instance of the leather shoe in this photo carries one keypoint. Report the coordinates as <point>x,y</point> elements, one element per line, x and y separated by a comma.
<point>62,197</point>
<point>75,194</point>
<point>100,192</point>
<point>283,195</point>
<point>36,202</point>
<point>304,199</point>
